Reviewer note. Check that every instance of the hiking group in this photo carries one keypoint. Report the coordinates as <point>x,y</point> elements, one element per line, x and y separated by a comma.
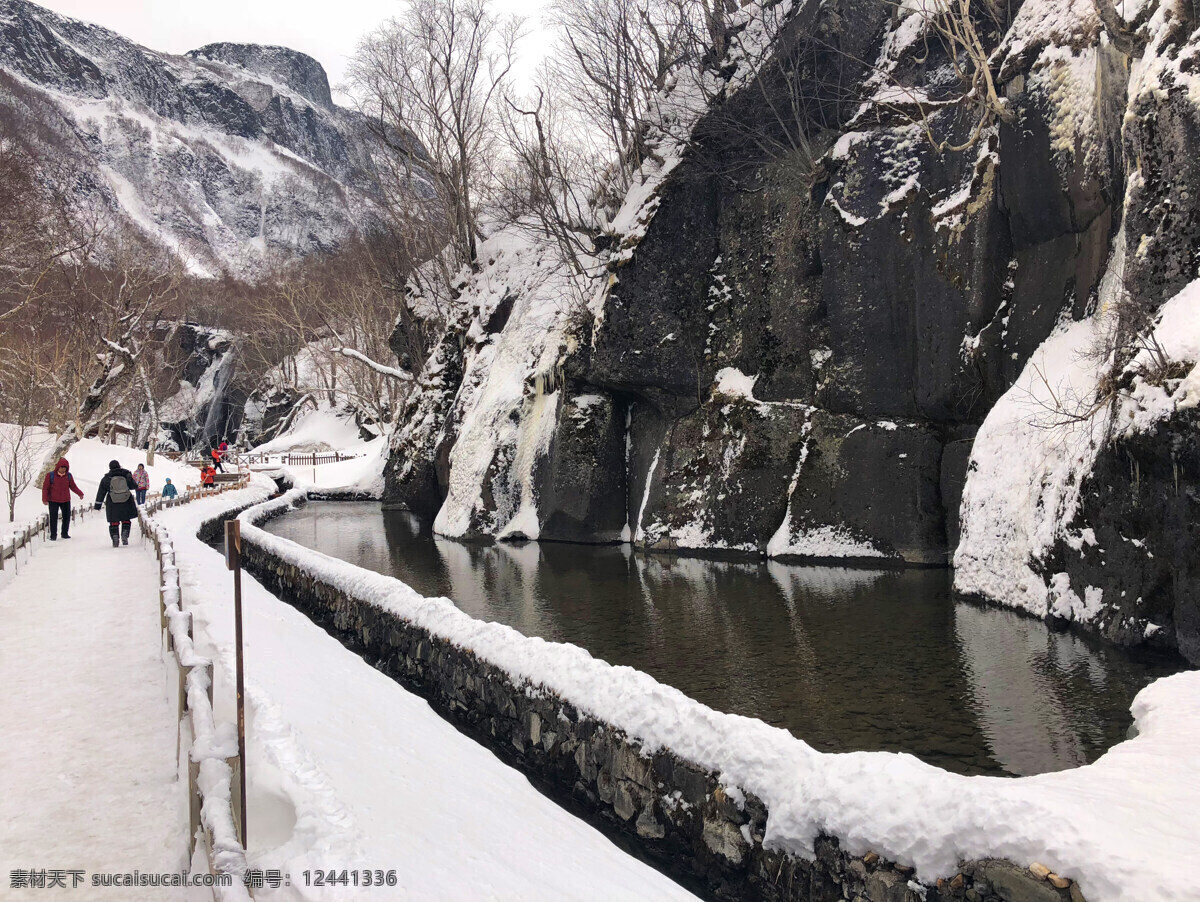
<point>120,493</point>
<point>208,472</point>
<point>118,490</point>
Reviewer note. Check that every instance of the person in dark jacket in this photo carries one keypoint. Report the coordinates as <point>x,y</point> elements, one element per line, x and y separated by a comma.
<point>116,494</point>
<point>56,492</point>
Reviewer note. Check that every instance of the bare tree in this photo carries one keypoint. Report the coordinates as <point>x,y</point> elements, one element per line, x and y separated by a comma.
<point>18,464</point>
<point>18,452</point>
<point>550,183</point>
<point>613,62</point>
<point>959,33</point>
<point>39,229</point>
<point>435,73</point>
<point>106,319</point>
<point>324,330</point>
<point>791,88</point>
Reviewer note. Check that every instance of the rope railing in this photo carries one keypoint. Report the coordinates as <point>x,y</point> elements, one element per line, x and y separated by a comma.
<point>213,772</point>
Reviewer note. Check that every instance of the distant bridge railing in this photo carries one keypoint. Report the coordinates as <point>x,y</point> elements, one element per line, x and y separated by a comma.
<point>255,458</point>
<point>292,459</point>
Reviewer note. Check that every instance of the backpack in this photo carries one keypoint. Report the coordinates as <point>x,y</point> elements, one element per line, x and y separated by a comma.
<point>118,489</point>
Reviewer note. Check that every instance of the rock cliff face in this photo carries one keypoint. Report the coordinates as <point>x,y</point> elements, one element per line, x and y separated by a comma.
<point>224,156</point>
<point>209,403</point>
<point>795,350</point>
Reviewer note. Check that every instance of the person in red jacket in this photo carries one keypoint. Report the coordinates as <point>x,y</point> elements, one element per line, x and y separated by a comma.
<point>56,492</point>
<point>208,476</point>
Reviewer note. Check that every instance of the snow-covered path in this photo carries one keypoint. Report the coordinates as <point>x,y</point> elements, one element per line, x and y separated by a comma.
<point>87,754</point>
<point>347,770</point>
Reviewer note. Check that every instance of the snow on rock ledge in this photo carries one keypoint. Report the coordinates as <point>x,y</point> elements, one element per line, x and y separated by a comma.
<point>1034,506</point>
<point>1023,480</point>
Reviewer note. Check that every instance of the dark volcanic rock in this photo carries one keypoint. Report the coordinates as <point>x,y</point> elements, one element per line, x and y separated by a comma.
<point>892,281</point>
<point>583,478</point>
<point>722,476</point>
<point>417,470</point>
<point>909,271</point>
<point>874,485</point>
<point>651,339</point>
<point>1142,505</point>
<point>882,279</point>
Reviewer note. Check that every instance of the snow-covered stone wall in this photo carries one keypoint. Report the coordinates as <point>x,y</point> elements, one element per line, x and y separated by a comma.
<point>694,821</point>
<point>748,810</point>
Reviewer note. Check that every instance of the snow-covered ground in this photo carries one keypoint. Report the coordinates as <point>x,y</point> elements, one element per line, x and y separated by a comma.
<point>87,761</point>
<point>320,430</point>
<point>324,431</point>
<point>348,770</point>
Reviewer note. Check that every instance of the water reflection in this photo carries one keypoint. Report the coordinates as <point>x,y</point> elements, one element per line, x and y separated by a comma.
<point>846,659</point>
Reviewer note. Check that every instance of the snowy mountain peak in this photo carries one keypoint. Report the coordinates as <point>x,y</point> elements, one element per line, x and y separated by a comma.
<point>225,156</point>
<point>296,71</point>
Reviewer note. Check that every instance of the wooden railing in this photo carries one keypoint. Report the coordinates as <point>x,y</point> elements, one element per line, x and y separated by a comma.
<point>193,675</point>
<point>213,802</point>
<point>312,459</point>
<point>255,458</point>
<point>18,539</point>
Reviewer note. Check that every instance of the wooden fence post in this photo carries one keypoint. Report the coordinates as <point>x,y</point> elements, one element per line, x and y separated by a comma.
<point>233,559</point>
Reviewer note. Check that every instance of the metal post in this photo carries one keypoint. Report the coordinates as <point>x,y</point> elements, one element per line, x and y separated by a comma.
<point>233,560</point>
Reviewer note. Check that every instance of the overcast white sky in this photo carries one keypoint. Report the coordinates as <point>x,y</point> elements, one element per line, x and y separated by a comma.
<point>328,30</point>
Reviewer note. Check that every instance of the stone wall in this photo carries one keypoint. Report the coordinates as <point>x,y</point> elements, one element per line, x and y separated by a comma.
<point>667,809</point>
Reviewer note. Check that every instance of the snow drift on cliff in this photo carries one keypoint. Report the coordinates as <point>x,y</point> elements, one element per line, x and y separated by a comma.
<point>508,404</point>
<point>1040,441</point>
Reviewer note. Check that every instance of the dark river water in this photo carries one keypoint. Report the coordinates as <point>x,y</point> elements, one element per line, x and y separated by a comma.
<point>845,659</point>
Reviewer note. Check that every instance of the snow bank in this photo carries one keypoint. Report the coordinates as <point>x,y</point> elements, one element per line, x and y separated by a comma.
<point>323,429</point>
<point>1176,339</point>
<point>1121,826</point>
<point>1027,464</point>
<point>206,740</point>
<point>1040,441</point>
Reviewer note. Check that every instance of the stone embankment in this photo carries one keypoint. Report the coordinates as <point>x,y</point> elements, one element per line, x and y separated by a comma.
<point>677,814</point>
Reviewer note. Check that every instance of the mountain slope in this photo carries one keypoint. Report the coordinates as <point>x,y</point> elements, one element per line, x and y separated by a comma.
<point>225,156</point>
